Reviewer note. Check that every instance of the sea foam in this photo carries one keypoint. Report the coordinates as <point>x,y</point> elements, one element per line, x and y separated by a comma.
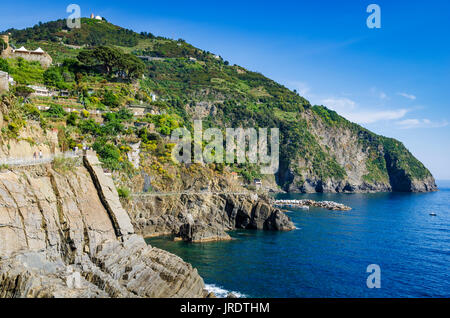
<point>221,292</point>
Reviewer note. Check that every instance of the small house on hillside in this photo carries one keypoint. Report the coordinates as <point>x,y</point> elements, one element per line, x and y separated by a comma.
<point>41,91</point>
<point>138,110</point>
<point>38,55</point>
<point>257,183</point>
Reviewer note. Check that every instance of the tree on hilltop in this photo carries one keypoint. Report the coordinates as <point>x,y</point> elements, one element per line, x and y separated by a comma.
<point>111,60</point>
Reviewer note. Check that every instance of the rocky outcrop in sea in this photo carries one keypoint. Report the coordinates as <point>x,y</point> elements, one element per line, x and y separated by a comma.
<point>329,205</point>
<point>205,217</point>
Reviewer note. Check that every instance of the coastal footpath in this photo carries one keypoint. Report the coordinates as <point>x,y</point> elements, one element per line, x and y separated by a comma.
<point>65,234</point>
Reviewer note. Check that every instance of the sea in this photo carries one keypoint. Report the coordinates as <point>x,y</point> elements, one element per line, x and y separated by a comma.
<point>388,245</point>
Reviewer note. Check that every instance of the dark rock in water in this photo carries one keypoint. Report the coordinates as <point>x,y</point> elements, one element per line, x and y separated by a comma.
<point>206,217</point>
<point>231,295</point>
<point>255,212</point>
<point>198,232</point>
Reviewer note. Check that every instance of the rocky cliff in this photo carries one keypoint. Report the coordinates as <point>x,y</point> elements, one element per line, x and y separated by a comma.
<point>205,217</point>
<point>58,238</point>
<point>340,156</point>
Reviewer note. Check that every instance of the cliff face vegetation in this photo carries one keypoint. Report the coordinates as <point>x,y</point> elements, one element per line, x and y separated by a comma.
<point>350,158</point>
<point>320,150</point>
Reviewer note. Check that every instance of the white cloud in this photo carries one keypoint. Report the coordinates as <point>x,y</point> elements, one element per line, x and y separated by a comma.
<point>420,123</point>
<point>372,116</point>
<point>339,104</point>
<point>382,95</point>
<point>301,87</point>
<point>349,109</point>
<point>379,94</point>
<point>408,96</point>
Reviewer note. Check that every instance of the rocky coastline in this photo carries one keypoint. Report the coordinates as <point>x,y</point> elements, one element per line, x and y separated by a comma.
<point>65,234</point>
<point>329,205</point>
<point>205,217</point>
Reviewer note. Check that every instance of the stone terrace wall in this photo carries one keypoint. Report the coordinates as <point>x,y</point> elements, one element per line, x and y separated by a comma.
<point>4,83</point>
<point>42,58</point>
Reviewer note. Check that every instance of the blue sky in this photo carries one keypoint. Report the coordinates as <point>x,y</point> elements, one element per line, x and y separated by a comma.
<point>394,80</point>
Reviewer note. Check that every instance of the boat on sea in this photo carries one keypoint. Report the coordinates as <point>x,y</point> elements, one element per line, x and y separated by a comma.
<point>433,214</point>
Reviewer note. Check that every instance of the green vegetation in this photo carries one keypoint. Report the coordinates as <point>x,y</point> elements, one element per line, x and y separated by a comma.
<point>22,91</point>
<point>111,156</point>
<point>376,167</point>
<point>92,32</point>
<point>398,157</point>
<point>124,192</point>
<point>99,67</point>
<point>3,45</point>
<point>25,72</point>
<point>112,60</point>
<point>59,77</point>
<point>4,66</point>
<point>64,164</point>
<point>55,111</point>
<point>17,116</point>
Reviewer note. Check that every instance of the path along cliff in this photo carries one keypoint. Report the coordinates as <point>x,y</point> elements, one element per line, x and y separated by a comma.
<point>65,234</point>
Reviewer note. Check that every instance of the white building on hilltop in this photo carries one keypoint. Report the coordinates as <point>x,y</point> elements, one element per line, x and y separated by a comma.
<point>96,17</point>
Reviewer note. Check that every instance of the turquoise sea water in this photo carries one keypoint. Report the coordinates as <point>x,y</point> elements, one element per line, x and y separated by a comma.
<point>327,256</point>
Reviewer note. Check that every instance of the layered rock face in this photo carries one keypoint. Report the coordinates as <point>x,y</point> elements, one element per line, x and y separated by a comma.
<point>58,238</point>
<point>367,163</point>
<point>205,217</point>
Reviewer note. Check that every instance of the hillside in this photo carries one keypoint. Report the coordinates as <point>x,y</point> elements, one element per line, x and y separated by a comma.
<point>320,150</point>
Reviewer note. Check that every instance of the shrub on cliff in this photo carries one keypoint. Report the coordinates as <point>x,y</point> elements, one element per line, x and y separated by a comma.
<point>22,91</point>
<point>3,45</point>
<point>110,99</point>
<point>109,154</point>
<point>26,72</point>
<point>4,66</point>
<point>124,192</point>
<point>56,77</point>
<point>62,164</point>
<point>72,119</point>
<point>55,111</point>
